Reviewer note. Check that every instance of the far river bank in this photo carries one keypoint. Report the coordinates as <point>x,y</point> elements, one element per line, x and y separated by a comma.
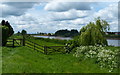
<point>111,41</point>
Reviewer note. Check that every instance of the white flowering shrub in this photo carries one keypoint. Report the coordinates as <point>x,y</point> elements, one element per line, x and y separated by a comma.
<point>104,57</point>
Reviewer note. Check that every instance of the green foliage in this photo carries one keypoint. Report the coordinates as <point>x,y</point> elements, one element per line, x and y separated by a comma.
<point>25,60</point>
<point>102,24</point>
<point>66,33</point>
<point>4,34</point>
<point>92,34</point>
<point>23,32</point>
<point>18,33</point>
<point>7,31</point>
<point>73,43</point>
<point>106,58</point>
<point>47,41</point>
<point>49,34</point>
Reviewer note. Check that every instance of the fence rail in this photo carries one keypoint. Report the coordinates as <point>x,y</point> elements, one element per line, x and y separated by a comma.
<point>34,46</point>
<point>14,42</point>
<point>44,49</point>
<point>52,49</point>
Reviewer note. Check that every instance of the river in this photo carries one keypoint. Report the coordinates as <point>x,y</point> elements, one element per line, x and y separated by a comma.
<point>54,37</point>
<point>111,42</point>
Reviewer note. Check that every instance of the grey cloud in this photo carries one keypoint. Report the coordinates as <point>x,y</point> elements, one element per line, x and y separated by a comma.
<point>65,6</point>
<point>119,10</point>
<point>20,4</point>
<point>15,8</point>
<point>65,19</point>
<point>68,15</point>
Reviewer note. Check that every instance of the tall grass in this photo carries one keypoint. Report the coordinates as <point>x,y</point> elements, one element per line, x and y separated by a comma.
<point>25,60</point>
<point>56,41</point>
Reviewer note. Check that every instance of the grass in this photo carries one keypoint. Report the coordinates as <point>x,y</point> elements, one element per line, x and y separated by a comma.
<point>112,48</point>
<point>0,60</point>
<point>45,43</point>
<point>25,60</point>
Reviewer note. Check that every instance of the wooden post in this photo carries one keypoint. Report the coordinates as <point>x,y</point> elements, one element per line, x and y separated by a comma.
<point>13,42</point>
<point>34,46</point>
<point>23,40</point>
<point>20,41</point>
<point>45,49</point>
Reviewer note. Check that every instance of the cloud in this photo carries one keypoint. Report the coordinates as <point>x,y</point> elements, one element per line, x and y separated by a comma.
<point>65,6</point>
<point>15,8</point>
<point>108,13</point>
<point>47,21</point>
<point>68,15</point>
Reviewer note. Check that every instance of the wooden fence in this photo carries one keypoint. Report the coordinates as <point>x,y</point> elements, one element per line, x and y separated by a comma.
<point>15,42</point>
<point>34,46</point>
<point>45,49</point>
<point>55,49</point>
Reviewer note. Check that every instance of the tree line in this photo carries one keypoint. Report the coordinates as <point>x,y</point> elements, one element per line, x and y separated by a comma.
<point>67,33</point>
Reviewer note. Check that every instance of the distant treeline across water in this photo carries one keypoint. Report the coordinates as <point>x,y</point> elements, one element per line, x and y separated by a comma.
<point>111,42</point>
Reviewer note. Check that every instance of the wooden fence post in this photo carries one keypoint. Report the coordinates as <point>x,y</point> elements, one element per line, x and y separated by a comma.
<point>45,49</point>
<point>13,42</point>
<point>34,46</point>
<point>23,40</point>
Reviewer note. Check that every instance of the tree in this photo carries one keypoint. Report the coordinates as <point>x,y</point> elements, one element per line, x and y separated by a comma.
<point>7,31</point>
<point>49,34</point>
<point>66,33</point>
<point>18,33</point>
<point>93,33</point>
<point>23,32</point>
<point>73,33</point>
<point>3,22</point>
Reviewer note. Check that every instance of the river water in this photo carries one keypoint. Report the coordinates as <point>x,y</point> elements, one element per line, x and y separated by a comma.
<point>53,37</point>
<point>111,42</point>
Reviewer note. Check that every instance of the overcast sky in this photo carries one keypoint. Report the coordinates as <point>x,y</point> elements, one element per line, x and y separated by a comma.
<point>52,16</point>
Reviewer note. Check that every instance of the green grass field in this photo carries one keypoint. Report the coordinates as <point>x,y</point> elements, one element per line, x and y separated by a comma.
<point>26,60</point>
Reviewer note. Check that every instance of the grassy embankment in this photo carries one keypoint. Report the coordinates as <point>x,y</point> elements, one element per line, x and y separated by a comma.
<point>25,60</point>
<point>116,37</point>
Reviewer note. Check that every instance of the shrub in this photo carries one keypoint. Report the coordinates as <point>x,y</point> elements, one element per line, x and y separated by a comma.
<point>105,58</point>
<point>4,34</point>
<point>7,31</point>
<point>91,34</point>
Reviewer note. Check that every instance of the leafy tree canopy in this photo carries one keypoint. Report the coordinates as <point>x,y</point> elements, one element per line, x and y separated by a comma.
<point>93,33</point>
<point>6,31</point>
<point>66,33</point>
<point>23,32</point>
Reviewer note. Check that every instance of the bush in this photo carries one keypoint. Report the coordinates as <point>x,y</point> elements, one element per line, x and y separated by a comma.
<point>91,34</point>
<point>105,58</point>
<point>5,31</point>
<point>23,32</point>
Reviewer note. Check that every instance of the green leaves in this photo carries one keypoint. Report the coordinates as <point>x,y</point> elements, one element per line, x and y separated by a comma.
<point>7,31</point>
<point>104,57</point>
<point>93,33</point>
<point>23,32</point>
